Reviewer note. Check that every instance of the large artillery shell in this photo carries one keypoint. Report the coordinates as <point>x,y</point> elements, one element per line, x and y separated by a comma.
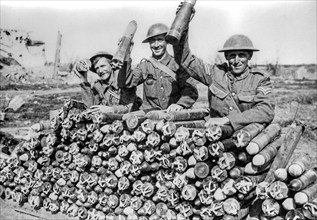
<point>281,174</point>
<point>278,190</point>
<point>286,150</point>
<point>236,172</point>
<point>243,137</point>
<point>251,169</point>
<point>218,174</point>
<point>201,153</point>
<point>198,124</point>
<point>244,157</point>
<point>262,190</point>
<point>294,214</point>
<point>107,118</point>
<point>228,187</point>
<point>180,22</point>
<point>181,134</point>
<point>306,194</point>
<point>263,139</point>
<point>242,213</point>
<point>309,210</point>
<point>270,207</point>
<point>189,192</point>
<point>307,178</point>
<point>158,115</point>
<point>296,168</point>
<point>231,206</point>
<point>268,153</point>
<point>201,170</point>
<point>198,137</point>
<point>189,114</point>
<point>289,204</point>
<point>227,161</point>
<point>216,132</point>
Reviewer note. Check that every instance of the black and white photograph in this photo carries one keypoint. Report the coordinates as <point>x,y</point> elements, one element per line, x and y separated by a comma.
<point>158,110</point>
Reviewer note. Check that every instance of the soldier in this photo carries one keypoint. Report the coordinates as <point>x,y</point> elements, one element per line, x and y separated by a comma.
<point>166,86</point>
<point>237,94</point>
<point>106,95</point>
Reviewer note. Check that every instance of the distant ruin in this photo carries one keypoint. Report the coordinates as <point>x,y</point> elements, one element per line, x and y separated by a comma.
<point>18,48</point>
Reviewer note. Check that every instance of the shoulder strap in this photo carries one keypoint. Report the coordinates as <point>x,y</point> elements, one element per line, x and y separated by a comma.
<point>162,67</point>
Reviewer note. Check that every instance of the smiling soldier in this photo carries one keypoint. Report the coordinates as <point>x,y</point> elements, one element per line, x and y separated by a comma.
<point>237,95</point>
<point>166,86</point>
<point>107,94</point>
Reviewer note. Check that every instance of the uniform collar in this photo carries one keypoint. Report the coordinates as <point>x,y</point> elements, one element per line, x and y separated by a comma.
<point>111,82</point>
<point>165,58</point>
<point>241,76</point>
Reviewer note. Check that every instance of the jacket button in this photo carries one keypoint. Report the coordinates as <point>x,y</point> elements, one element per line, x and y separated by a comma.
<point>230,108</point>
<point>233,94</point>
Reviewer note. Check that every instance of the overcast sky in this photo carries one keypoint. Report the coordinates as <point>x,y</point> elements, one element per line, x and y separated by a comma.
<point>284,31</point>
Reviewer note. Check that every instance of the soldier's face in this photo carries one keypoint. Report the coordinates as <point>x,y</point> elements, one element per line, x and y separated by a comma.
<point>158,45</point>
<point>238,60</point>
<point>103,68</point>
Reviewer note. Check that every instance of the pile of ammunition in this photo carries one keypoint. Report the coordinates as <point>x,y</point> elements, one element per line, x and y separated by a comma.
<point>135,166</point>
<point>292,195</point>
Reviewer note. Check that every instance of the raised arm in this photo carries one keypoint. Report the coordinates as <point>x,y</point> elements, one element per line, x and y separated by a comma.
<point>196,67</point>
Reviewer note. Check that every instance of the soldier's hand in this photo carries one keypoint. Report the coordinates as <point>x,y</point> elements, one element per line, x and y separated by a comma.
<point>81,68</point>
<point>83,65</point>
<point>174,108</point>
<point>181,5</point>
<point>217,121</point>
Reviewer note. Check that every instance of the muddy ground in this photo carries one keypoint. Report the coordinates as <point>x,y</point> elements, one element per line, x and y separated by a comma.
<point>41,98</point>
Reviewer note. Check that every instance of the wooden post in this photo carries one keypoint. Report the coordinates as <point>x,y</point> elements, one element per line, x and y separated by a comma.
<point>57,55</point>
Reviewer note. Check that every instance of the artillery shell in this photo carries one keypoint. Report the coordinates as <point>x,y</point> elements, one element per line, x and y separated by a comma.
<point>244,157</point>
<point>201,170</point>
<point>191,161</point>
<point>263,139</point>
<point>218,174</point>
<point>307,178</point>
<point>231,206</point>
<point>289,204</point>
<point>190,173</point>
<point>270,207</point>
<point>268,153</point>
<point>306,195</point>
<point>251,169</point>
<point>227,161</point>
<point>236,172</point>
<point>213,132</point>
<point>219,195</point>
<point>278,190</point>
<point>281,174</point>
<point>262,190</point>
<point>189,192</point>
<point>294,214</point>
<point>309,210</point>
<point>296,168</point>
<point>201,153</point>
<point>242,137</point>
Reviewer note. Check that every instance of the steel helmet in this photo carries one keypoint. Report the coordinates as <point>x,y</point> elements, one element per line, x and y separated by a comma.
<point>238,42</point>
<point>99,54</point>
<point>155,30</point>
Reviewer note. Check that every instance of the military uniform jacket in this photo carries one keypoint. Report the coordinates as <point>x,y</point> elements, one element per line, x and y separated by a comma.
<point>244,99</point>
<point>160,89</point>
<point>110,93</point>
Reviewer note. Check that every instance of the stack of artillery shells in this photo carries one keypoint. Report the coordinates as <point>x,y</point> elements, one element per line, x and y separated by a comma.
<point>98,167</point>
<point>292,195</point>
